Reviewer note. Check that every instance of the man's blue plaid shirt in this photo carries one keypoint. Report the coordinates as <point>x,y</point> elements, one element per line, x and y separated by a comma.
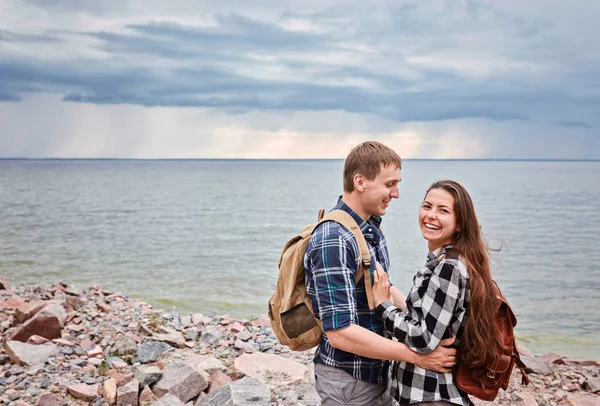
<point>331,262</point>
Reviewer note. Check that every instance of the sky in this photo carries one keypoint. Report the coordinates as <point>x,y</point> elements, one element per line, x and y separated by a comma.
<point>453,79</point>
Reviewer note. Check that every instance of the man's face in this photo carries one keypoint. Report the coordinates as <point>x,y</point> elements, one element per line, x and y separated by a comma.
<point>379,192</point>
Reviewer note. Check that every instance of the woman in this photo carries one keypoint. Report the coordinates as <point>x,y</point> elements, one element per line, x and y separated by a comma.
<point>452,295</point>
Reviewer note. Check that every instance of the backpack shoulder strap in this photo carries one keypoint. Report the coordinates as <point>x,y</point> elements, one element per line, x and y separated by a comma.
<point>346,220</point>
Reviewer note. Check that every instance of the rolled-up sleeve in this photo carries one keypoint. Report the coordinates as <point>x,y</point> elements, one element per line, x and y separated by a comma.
<point>332,261</point>
<point>431,310</point>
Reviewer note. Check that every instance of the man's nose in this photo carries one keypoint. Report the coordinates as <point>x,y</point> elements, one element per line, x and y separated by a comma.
<point>395,193</point>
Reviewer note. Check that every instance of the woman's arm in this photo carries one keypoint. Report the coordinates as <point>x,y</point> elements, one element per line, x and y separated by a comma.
<point>429,319</point>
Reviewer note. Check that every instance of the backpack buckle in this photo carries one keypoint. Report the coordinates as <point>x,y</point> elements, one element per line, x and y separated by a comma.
<point>366,262</point>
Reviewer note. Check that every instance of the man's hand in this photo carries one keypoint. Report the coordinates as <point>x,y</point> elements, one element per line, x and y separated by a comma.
<point>381,285</point>
<point>441,360</point>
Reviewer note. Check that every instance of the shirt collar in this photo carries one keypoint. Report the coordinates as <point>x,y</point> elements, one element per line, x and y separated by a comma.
<point>365,226</point>
<point>439,252</point>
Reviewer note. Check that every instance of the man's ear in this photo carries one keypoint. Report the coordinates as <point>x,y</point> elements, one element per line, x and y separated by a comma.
<point>359,182</point>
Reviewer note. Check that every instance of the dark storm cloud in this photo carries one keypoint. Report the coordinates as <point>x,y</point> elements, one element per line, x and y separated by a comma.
<point>239,63</point>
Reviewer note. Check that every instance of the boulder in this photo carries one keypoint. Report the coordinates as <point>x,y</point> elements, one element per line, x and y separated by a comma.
<point>246,391</point>
<point>47,323</point>
<point>148,375</point>
<point>181,380</point>
<point>110,391</point>
<point>29,354</point>
<point>593,385</point>
<point>83,391</point>
<point>47,399</point>
<point>526,398</point>
<point>147,396</point>
<point>174,339</point>
<point>169,400</point>
<point>127,395</point>
<point>27,310</point>
<point>536,365</point>
<point>206,364</point>
<point>263,321</point>
<point>270,369</point>
<point>150,351</point>
<point>583,400</point>
<point>217,380</point>
<point>124,345</point>
<point>5,283</point>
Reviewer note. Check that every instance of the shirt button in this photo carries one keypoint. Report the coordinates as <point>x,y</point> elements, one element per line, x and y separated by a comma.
<point>370,229</point>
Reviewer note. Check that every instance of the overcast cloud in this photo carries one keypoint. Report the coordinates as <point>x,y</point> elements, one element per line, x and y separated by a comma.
<point>272,79</point>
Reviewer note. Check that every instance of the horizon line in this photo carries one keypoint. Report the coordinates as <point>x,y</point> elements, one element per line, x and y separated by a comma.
<point>301,159</point>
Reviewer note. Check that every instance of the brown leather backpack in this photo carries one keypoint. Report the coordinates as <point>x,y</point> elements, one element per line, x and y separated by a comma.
<point>485,382</point>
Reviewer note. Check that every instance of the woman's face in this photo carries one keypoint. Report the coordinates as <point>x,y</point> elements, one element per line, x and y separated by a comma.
<point>437,219</point>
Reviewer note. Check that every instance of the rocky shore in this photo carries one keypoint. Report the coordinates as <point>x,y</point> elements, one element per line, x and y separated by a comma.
<point>63,345</point>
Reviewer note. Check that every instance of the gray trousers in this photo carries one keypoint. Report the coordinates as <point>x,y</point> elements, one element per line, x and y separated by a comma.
<point>336,387</point>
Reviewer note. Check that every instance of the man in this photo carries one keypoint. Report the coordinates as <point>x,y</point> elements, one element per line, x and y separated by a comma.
<point>351,362</point>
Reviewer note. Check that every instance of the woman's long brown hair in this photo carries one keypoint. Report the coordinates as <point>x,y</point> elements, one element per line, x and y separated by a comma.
<point>479,344</point>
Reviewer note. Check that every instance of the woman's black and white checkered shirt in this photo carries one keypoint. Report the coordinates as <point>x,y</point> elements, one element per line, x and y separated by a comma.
<point>436,307</point>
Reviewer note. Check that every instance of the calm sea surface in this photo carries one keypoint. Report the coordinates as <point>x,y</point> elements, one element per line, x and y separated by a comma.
<point>205,236</point>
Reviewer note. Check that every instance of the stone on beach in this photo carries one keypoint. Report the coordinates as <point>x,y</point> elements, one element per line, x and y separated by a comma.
<point>29,354</point>
<point>147,396</point>
<point>127,395</point>
<point>27,310</point>
<point>83,391</point>
<point>47,399</point>
<point>150,351</point>
<point>246,391</point>
<point>536,365</point>
<point>148,375</point>
<point>181,380</point>
<point>170,400</point>
<point>583,400</point>
<point>5,283</point>
<point>110,391</point>
<point>47,323</point>
<point>264,367</point>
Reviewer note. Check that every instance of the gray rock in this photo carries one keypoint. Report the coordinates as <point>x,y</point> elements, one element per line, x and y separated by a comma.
<point>245,392</point>
<point>593,385</point>
<point>168,400</point>
<point>192,335</point>
<point>209,338</point>
<point>148,375</point>
<point>181,380</point>
<point>536,365</point>
<point>28,354</point>
<point>127,395</point>
<point>47,399</point>
<point>124,346</point>
<point>244,335</point>
<point>150,351</point>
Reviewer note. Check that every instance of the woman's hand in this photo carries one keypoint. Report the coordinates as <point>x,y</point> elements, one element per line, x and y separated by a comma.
<point>442,359</point>
<point>381,286</point>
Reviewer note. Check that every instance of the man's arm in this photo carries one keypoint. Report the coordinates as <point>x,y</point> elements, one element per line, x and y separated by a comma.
<point>363,342</point>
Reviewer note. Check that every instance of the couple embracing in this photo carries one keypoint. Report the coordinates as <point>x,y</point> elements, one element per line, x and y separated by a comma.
<point>449,305</point>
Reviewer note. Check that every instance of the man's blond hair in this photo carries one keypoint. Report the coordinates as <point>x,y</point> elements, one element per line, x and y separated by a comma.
<point>367,159</point>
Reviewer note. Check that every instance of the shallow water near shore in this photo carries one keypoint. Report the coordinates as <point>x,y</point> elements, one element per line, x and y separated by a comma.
<point>205,236</point>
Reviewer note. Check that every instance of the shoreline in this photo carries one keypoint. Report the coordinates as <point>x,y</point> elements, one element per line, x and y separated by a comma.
<point>72,346</point>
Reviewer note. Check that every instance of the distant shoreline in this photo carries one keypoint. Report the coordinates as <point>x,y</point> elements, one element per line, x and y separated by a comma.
<point>295,159</point>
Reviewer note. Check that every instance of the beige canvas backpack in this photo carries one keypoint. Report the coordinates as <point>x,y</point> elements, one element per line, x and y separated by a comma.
<point>290,307</point>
